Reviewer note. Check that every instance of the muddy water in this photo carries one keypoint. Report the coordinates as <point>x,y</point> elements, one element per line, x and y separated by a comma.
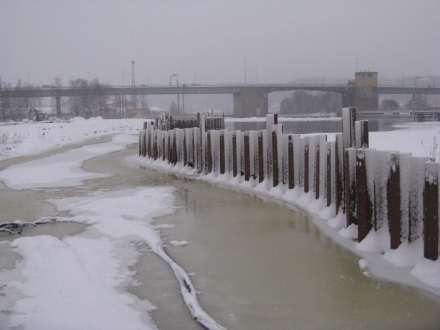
<point>261,266</point>
<point>257,265</point>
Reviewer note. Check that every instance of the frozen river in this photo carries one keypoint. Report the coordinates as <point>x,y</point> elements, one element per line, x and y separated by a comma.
<point>255,264</point>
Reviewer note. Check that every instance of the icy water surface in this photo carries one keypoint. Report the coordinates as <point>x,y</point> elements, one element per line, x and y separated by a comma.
<point>256,264</point>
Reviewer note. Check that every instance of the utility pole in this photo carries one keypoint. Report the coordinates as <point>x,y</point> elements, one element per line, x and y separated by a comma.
<point>245,69</point>
<point>133,73</point>
<point>133,83</point>
<point>176,76</point>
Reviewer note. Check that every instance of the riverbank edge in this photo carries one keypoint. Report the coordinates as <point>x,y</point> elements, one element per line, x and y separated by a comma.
<point>372,264</point>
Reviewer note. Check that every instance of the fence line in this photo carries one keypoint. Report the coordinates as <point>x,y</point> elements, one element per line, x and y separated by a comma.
<point>376,190</point>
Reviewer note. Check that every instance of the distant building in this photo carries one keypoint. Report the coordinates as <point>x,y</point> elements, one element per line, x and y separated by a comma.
<point>363,90</point>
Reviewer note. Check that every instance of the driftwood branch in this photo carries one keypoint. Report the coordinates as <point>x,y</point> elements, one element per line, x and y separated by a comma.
<point>16,227</point>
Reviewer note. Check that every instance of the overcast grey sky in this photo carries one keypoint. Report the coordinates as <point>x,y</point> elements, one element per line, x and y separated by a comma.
<point>207,40</point>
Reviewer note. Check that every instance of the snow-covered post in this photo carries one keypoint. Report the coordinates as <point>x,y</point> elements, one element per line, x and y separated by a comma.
<point>155,144</point>
<point>234,155</point>
<point>199,150</point>
<point>430,212</point>
<point>394,202</point>
<point>168,147</point>
<point>268,145</point>
<point>253,153</point>
<point>316,170</point>
<point>298,160</point>
<point>329,186</point>
<point>247,159</point>
<point>275,168</point>
<point>306,165</point>
<point>348,139</point>
<point>228,152</point>
<point>193,148</point>
<point>147,142</point>
<point>163,147</point>
<point>363,203</point>
<point>290,163</point>
<point>339,178</point>
<point>323,147</point>
<point>260,158</point>
<point>240,153</point>
<point>348,126</point>
<point>174,149</point>
<point>140,143</point>
<point>208,153</point>
<point>222,152</point>
<point>416,177</point>
<point>361,133</point>
<point>185,149</point>
<point>350,185</point>
<point>144,145</point>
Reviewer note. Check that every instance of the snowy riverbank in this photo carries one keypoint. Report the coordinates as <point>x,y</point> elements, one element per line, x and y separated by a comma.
<point>87,274</point>
<point>405,265</point>
<point>30,138</point>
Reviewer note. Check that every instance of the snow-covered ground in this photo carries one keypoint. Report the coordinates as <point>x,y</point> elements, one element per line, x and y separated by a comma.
<point>19,139</point>
<point>86,275</point>
<point>61,170</point>
<point>419,139</point>
<point>79,282</point>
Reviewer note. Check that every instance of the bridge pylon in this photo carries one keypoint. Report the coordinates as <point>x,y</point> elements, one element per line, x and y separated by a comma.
<point>251,102</point>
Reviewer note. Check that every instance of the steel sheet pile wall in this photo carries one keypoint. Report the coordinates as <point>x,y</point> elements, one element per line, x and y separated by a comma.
<point>376,190</point>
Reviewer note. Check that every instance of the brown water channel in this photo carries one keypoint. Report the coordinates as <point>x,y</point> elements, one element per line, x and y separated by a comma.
<point>256,264</point>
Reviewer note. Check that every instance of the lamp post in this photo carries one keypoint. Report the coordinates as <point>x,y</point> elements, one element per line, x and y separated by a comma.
<point>176,76</point>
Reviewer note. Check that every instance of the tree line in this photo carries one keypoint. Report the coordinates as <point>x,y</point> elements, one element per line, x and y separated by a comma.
<point>92,104</point>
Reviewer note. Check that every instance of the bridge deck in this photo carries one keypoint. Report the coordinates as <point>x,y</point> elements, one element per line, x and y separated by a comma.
<point>198,89</point>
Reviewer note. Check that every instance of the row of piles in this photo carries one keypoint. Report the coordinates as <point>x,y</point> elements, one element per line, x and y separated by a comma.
<point>376,190</point>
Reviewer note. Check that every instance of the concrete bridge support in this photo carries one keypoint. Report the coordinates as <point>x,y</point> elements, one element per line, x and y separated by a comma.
<point>249,102</point>
<point>361,98</point>
<point>4,107</point>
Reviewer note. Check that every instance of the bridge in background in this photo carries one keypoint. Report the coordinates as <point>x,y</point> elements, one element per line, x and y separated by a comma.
<point>248,99</point>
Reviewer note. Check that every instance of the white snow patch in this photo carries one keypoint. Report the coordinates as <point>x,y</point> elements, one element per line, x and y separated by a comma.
<point>61,170</point>
<point>375,241</point>
<point>19,139</point>
<point>363,264</point>
<point>428,271</point>
<point>349,232</point>
<point>419,139</point>
<point>407,255</point>
<point>75,283</point>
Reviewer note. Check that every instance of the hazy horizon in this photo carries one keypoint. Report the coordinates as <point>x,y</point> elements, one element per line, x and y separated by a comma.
<point>207,41</point>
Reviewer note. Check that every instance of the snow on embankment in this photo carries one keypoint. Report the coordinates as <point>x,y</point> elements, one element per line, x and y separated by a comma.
<point>79,282</point>
<point>19,139</point>
<point>405,265</point>
<point>61,170</point>
<point>419,139</point>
